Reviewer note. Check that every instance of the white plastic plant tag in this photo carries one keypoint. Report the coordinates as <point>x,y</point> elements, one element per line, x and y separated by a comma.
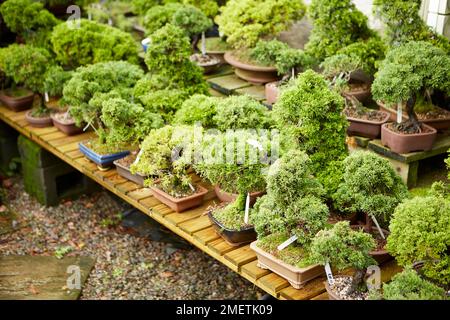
<point>89,16</point>
<point>247,208</point>
<point>192,187</point>
<point>203,44</point>
<point>378,226</point>
<point>329,274</point>
<point>110,22</point>
<point>46,97</point>
<point>287,243</point>
<point>138,157</point>
<point>399,113</point>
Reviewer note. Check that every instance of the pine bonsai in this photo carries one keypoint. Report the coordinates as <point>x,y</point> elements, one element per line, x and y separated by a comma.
<point>198,109</point>
<point>344,248</point>
<point>409,74</point>
<point>370,186</point>
<point>309,115</point>
<point>244,22</point>
<point>420,232</point>
<point>92,42</point>
<point>404,24</point>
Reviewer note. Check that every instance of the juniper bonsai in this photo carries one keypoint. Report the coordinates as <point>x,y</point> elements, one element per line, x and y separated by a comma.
<point>160,15</point>
<point>54,80</point>
<point>420,232</point>
<point>198,109</point>
<point>192,20</point>
<point>409,74</point>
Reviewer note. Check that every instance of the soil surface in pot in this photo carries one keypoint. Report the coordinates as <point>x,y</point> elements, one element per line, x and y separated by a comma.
<point>216,44</point>
<point>229,217</point>
<point>204,60</point>
<point>64,118</point>
<point>99,148</point>
<point>244,57</point>
<point>435,113</point>
<point>407,128</point>
<point>364,114</point>
<point>128,160</point>
<point>17,92</point>
<point>341,287</point>
<point>357,86</point>
<point>178,192</point>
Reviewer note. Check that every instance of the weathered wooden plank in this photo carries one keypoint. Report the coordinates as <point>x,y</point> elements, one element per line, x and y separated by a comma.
<point>140,193</point>
<point>67,139</point>
<point>195,225</point>
<point>115,179</point>
<point>322,296</point>
<point>127,187</point>
<point>220,246</point>
<point>256,92</point>
<point>177,218</point>
<point>53,136</point>
<point>205,236</point>
<point>73,155</point>
<point>241,256</point>
<point>68,147</point>
<point>149,202</point>
<point>252,270</point>
<point>42,131</point>
<point>87,164</point>
<point>228,84</point>
<point>272,283</point>
<point>224,70</point>
<point>311,289</point>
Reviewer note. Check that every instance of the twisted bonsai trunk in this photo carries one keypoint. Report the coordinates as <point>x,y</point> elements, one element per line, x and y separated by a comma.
<point>358,280</point>
<point>413,124</point>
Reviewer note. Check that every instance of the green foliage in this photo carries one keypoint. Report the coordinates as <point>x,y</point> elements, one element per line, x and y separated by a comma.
<point>29,19</point>
<point>279,54</point>
<point>339,68</point>
<point>343,247</point>
<point>370,185</point>
<point>244,22</point>
<point>192,20</point>
<point>159,16</point>
<point>241,112</point>
<point>140,7</point>
<point>410,70</point>
<point>447,161</point>
<point>60,252</point>
<point>114,12</point>
<point>403,23</point>
<point>54,80</point>
<point>420,231</point>
<point>408,285</point>
<point>92,42</point>
<point>208,7</point>
<point>293,203</point>
<point>309,116</point>
<point>336,24</point>
<point>90,86</point>
<point>164,102</point>
<point>26,65</point>
<point>197,109</point>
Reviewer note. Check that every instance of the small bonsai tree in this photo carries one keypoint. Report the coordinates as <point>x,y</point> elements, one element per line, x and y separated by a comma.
<point>193,21</point>
<point>158,16</point>
<point>140,7</point>
<point>92,42</point>
<point>403,23</point>
<point>420,232</point>
<point>54,80</point>
<point>336,24</point>
<point>344,248</point>
<point>198,109</point>
<point>408,285</point>
<point>409,74</point>
<point>339,68</point>
<point>370,186</point>
<point>309,115</point>
<point>244,22</point>
<point>30,20</point>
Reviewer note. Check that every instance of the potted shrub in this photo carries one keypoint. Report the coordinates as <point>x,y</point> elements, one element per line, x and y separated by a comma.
<point>86,91</point>
<point>159,16</point>
<point>341,247</point>
<point>370,186</point>
<point>198,109</point>
<point>243,23</point>
<point>91,43</point>
<point>309,116</point>
<point>419,233</point>
<point>288,62</point>
<point>292,207</point>
<point>170,182</point>
<point>408,75</point>
<point>12,61</point>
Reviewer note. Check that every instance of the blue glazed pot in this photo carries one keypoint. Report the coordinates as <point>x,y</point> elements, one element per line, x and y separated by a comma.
<point>100,159</point>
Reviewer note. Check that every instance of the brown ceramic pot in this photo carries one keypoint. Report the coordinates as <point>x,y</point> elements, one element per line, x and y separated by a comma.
<point>362,95</point>
<point>366,128</point>
<point>272,92</point>
<point>126,173</point>
<point>38,122</point>
<point>17,103</point>
<point>230,197</point>
<point>381,255</point>
<point>208,67</point>
<point>297,277</point>
<point>233,237</point>
<point>251,73</point>
<point>180,204</point>
<point>405,143</point>
<point>67,127</point>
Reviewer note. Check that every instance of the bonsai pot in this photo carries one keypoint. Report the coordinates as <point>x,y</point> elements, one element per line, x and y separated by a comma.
<point>361,93</point>
<point>124,171</point>
<point>103,161</point>
<point>405,143</point>
<point>66,126</point>
<point>272,91</point>
<point>233,237</point>
<point>366,128</point>
<point>230,197</point>
<point>218,54</point>
<point>180,204</point>
<point>207,63</point>
<point>17,103</point>
<point>38,122</point>
<point>251,73</point>
<point>380,255</point>
<point>297,277</point>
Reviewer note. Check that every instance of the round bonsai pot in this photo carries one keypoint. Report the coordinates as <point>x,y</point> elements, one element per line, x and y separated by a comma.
<point>17,104</point>
<point>207,63</point>
<point>272,91</point>
<point>251,73</point>
<point>232,237</point>
<point>366,128</point>
<point>42,122</point>
<point>230,197</point>
<point>66,126</point>
<point>180,204</point>
<point>218,54</point>
<point>406,143</point>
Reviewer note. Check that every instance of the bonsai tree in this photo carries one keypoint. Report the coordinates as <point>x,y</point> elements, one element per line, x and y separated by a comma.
<point>293,206</point>
<point>193,21</point>
<point>198,109</point>
<point>344,248</point>
<point>140,7</point>
<point>370,186</point>
<point>29,20</point>
<point>420,233</point>
<point>54,80</point>
<point>158,16</point>
<point>244,22</point>
<point>404,24</point>
<point>409,74</point>
<point>91,43</point>
<point>408,285</point>
<point>336,24</point>
<point>309,116</point>
<point>339,68</point>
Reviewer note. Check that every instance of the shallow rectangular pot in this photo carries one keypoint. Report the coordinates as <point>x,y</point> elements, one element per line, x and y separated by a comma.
<point>366,128</point>
<point>17,104</point>
<point>406,143</point>
<point>103,161</point>
<point>180,204</point>
<point>233,237</point>
<point>297,277</point>
<point>125,172</point>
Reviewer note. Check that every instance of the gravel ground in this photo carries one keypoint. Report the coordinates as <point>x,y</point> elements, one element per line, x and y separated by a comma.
<point>127,266</point>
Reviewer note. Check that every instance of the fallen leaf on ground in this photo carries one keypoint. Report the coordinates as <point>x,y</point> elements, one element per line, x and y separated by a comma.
<point>166,274</point>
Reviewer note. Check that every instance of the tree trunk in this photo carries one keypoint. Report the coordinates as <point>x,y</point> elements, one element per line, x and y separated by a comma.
<point>369,224</point>
<point>358,278</point>
<point>411,114</point>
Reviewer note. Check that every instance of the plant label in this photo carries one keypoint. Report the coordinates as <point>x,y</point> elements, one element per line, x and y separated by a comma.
<point>89,16</point>
<point>110,22</point>
<point>329,274</point>
<point>399,113</point>
<point>378,227</point>
<point>247,208</point>
<point>46,97</point>
<point>192,187</point>
<point>203,44</point>
<point>287,243</point>
<point>138,157</point>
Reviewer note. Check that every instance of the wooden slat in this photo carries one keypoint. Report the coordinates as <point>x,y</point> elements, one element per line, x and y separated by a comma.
<point>241,256</point>
<point>311,289</point>
<point>195,225</point>
<point>205,236</point>
<point>322,296</point>
<point>140,193</point>
<point>127,187</point>
<point>177,218</point>
<point>272,283</point>
<point>252,270</point>
<point>220,247</point>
